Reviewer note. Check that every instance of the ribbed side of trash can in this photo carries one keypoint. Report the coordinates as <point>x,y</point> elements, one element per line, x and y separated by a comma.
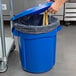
<point>37,52</point>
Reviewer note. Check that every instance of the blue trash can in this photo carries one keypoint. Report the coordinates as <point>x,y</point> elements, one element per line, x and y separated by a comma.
<point>37,43</point>
<point>37,51</point>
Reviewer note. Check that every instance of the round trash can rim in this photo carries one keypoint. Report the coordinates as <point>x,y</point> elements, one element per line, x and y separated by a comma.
<point>37,29</point>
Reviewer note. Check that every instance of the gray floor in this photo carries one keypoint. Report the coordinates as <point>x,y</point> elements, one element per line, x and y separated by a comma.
<point>65,59</point>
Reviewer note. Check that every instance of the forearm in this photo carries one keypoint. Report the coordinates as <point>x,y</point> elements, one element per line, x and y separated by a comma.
<point>60,1</point>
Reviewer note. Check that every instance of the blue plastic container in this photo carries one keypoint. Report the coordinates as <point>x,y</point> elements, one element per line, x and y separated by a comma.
<point>37,51</point>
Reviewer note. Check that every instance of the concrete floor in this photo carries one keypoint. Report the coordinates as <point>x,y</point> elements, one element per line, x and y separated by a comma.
<point>65,59</point>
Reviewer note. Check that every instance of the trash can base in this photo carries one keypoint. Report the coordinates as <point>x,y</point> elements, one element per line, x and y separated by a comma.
<point>38,72</point>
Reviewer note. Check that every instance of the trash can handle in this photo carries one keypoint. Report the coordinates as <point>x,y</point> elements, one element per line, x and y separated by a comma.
<point>59,28</point>
<point>15,32</point>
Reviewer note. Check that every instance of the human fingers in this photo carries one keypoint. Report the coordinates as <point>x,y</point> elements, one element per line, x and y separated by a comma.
<point>51,10</point>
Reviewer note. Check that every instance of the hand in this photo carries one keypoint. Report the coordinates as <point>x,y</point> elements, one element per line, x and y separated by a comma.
<point>55,7</point>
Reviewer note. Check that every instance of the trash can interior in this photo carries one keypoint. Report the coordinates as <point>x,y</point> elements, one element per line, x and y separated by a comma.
<point>33,20</point>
